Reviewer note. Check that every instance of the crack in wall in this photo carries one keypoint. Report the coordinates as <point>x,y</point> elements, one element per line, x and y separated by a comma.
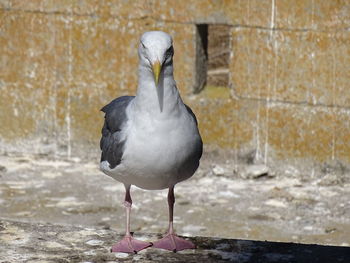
<point>70,81</point>
<point>194,22</point>
<point>276,101</point>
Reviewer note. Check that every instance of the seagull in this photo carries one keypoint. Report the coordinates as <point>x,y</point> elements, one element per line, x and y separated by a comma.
<point>151,140</point>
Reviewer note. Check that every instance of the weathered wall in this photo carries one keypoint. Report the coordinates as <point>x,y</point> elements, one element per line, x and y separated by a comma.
<point>288,98</point>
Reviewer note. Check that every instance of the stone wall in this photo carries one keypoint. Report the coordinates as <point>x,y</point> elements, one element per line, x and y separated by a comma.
<point>288,97</point>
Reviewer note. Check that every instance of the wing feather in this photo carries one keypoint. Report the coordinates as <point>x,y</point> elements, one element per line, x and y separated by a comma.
<point>111,143</point>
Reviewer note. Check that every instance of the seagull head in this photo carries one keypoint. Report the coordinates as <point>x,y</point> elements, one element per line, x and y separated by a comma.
<point>156,51</point>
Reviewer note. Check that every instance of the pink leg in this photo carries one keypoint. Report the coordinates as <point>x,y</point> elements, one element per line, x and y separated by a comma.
<point>128,244</point>
<point>171,241</point>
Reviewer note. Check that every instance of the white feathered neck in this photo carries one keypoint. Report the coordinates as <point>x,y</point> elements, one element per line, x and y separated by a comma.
<point>161,100</point>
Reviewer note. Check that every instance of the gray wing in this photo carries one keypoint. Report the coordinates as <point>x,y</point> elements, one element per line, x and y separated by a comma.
<point>189,110</point>
<point>199,148</point>
<point>111,144</point>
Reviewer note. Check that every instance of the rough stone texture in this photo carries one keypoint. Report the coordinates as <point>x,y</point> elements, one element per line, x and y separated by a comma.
<point>54,243</point>
<point>291,66</point>
<point>219,201</point>
<point>70,66</point>
<point>288,97</point>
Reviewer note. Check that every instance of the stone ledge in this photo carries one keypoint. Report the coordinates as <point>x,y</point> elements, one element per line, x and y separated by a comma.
<point>41,242</point>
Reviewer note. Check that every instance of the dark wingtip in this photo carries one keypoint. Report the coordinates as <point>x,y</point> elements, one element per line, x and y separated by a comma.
<point>103,109</point>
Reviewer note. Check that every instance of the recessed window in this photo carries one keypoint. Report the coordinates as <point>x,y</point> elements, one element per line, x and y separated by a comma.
<point>212,56</point>
<point>218,55</point>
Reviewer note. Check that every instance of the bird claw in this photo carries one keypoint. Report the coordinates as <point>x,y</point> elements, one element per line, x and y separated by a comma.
<point>130,245</point>
<point>173,243</point>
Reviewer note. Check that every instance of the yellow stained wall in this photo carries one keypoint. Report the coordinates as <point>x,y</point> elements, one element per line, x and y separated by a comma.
<point>289,94</point>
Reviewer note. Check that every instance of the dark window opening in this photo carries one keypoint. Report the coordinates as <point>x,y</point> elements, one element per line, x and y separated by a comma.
<point>218,55</point>
<point>201,57</point>
<point>212,56</point>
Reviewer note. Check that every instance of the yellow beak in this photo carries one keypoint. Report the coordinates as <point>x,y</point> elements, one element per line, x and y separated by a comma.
<point>156,71</point>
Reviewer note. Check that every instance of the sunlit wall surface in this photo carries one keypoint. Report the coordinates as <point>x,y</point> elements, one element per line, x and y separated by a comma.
<point>287,97</point>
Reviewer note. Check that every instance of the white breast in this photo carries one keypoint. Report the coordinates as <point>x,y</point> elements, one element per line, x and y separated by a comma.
<point>156,150</point>
<point>160,150</point>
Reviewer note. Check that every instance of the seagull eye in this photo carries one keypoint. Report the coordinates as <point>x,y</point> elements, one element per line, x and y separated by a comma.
<point>169,52</point>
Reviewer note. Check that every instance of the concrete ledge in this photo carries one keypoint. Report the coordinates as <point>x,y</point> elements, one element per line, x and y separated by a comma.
<point>40,242</point>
